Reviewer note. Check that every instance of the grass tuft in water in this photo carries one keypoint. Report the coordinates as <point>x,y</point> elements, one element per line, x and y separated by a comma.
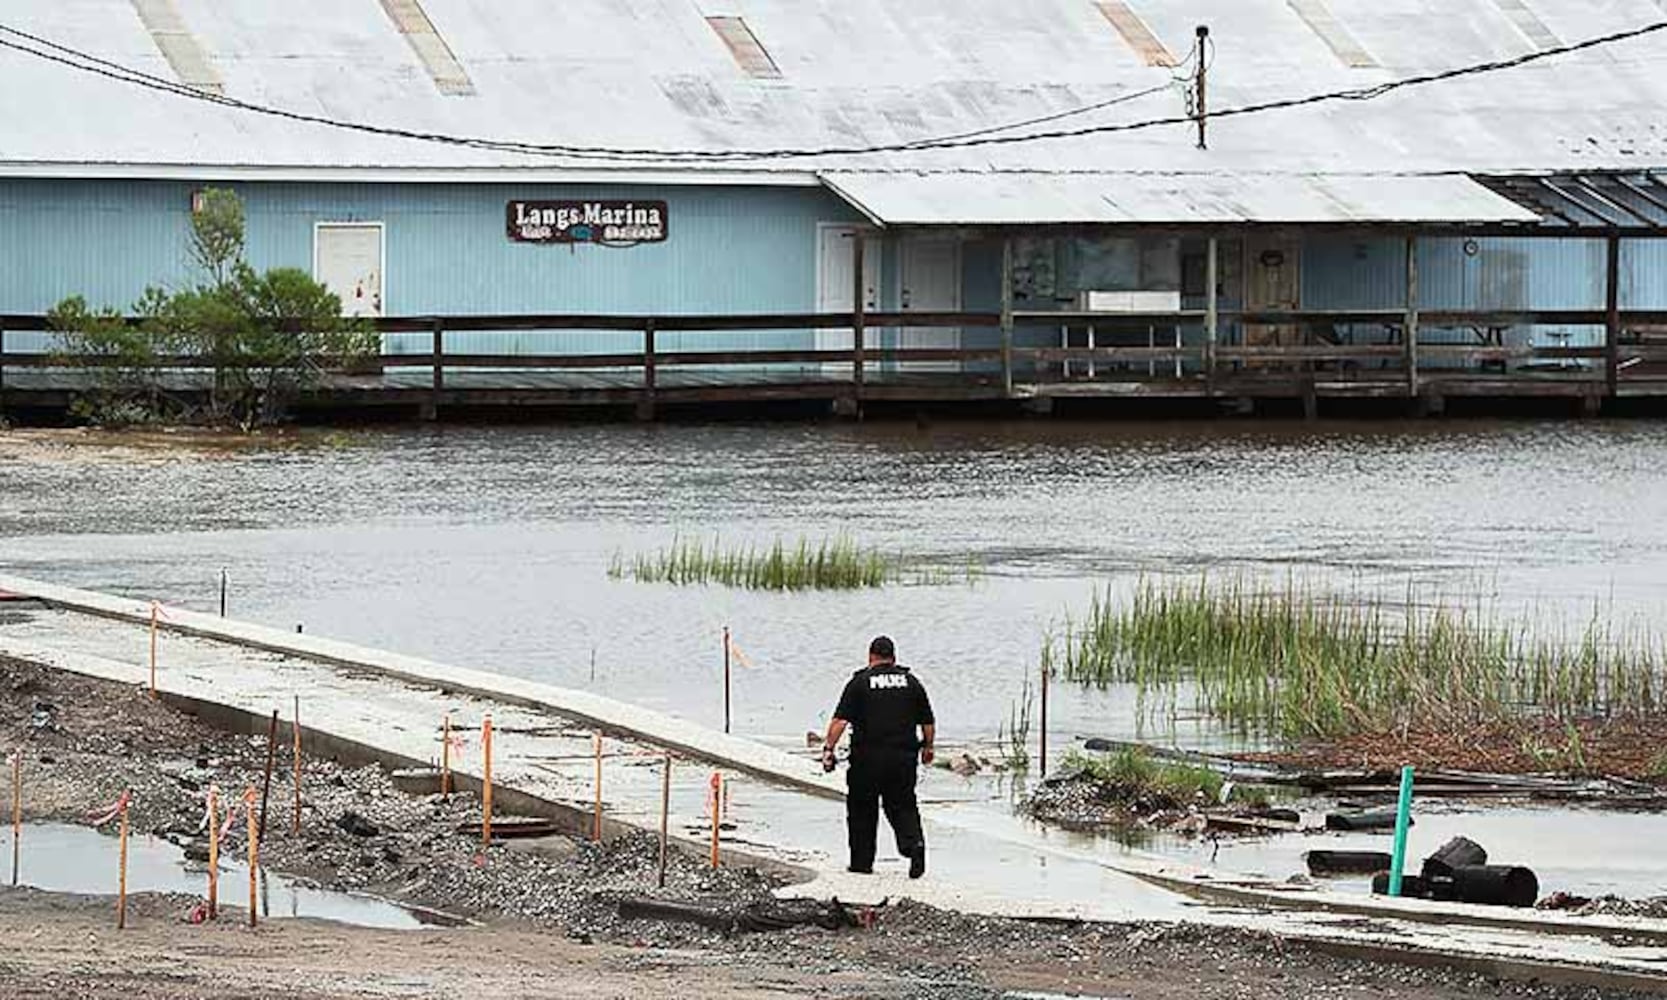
<point>1297,664</point>
<point>837,563</point>
<point>1134,773</point>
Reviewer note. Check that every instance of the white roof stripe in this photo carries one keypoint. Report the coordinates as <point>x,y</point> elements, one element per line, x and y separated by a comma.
<point>902,199</point>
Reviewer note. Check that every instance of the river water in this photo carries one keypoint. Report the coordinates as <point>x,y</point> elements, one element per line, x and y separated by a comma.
<point>489,546</point>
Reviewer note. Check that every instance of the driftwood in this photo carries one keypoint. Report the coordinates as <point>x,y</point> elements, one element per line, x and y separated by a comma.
<point>1432,782</point>
<point>1249,824</point>
<point>774,915</point>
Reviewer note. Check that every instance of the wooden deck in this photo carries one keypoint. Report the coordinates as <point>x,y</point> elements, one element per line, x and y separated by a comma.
<point>1631,363</point>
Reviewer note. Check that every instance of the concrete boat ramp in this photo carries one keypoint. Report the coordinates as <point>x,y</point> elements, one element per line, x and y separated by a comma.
<point>372,704</point>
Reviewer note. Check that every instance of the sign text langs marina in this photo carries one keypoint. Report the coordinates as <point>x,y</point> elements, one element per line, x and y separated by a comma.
<point>608,223</point>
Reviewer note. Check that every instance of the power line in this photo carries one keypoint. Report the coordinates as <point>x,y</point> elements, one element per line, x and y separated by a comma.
<point>86,62</point>
<point>46,49</point>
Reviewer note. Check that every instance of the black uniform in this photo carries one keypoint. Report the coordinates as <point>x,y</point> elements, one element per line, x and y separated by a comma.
<point>883,704</point>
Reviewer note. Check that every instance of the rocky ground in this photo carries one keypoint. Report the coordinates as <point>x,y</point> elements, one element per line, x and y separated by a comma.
<point>548,920</point>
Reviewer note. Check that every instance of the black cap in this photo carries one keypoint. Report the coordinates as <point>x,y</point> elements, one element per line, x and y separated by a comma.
<point>883,647</point>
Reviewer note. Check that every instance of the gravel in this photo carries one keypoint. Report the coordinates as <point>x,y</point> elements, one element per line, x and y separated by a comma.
<point>87,740</point>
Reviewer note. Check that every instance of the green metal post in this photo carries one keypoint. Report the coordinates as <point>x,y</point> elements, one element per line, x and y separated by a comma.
<point>1403,819</point>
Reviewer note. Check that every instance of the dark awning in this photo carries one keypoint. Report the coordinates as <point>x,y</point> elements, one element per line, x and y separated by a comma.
<point>1620,201</point>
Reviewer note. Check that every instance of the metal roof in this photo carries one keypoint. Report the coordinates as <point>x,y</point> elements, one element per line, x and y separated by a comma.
<point>1619,201</point>
<point>654,73</point>
<point>996,199</point>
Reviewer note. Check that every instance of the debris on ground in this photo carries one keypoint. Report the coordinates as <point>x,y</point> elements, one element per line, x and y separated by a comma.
<point>1458,872</point>
<point>542,895</point>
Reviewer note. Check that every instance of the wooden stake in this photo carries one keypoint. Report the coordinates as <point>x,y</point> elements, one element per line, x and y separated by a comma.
<point>445,755</point>
<point>213,855</point>
<point>154,608</point>
<point>121,883</point>
<point>665,818</point>
<point>295,825</point>
<point>717,799</point>
<point>596,827</point>
<point>726,666</point>
<point>486,783</point>
<point>271,756</point>
<point>254,858</point>
<point>17,812</point>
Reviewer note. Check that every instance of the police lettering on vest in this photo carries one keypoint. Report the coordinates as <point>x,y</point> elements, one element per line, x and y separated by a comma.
<point>885,704</point>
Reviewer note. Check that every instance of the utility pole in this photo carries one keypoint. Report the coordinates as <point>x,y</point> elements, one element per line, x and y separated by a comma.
<point>1201,72</point>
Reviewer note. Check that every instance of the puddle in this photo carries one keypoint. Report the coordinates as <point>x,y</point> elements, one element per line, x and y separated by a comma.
<point>60,857</point>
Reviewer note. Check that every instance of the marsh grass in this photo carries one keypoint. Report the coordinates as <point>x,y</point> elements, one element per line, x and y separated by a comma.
<point>1295,663</point>
<point>837,563</point>
<point>1014,735</point>
<point>1134,772</point>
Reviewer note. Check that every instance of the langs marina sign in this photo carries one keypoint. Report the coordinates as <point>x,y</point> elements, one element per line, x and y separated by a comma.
<point>608,223</point>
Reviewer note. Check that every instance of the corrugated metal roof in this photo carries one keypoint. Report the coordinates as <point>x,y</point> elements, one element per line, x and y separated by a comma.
<point>652,73</point>
<point>994,199</point>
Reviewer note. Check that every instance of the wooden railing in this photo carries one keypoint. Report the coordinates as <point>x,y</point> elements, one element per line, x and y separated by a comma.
<point>1617,358</point>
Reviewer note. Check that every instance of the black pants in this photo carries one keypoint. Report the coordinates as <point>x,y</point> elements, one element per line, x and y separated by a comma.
<point>874,779</point>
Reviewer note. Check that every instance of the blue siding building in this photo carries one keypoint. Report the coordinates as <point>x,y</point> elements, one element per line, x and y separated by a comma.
<point>382,150</point>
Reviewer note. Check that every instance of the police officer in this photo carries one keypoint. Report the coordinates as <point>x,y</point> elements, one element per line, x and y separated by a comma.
<point>883,705</point>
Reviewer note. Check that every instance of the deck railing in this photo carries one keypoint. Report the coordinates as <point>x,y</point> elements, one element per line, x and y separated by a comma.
<point>1300,348</point>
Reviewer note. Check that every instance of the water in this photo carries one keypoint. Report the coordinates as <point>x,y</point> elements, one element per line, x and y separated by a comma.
<point>59,857</point>
<point>488,546</point>
<point>1587,852</point>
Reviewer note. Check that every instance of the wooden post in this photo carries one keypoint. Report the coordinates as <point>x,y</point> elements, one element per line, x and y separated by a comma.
<point>254,856</point>
<point>271,757</point>
<point>1007,316</point>
<point>213,855</point>
<point>1043,742</point>
<point>486,783</point>
<point>650,372</point>
<point>1212,312</point>
<point>596,823</point>
<point>121,878</point>
<point>717,808</point>
<point>295,824</point>
<point>17,812</point>
<point>438,363</point>
<point>1612,316</point>
<point>154,610</point>
<point>1411,321</point>
<point>726,679</point>
<point>665,818</point>
<point>445,755</point>
<point>859,314</point>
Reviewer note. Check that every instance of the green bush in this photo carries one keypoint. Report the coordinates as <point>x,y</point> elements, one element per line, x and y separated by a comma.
<point>262,336</point>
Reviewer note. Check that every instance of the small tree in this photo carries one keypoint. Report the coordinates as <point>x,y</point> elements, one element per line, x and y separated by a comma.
<point>264,336</point>
<point>217,235</point>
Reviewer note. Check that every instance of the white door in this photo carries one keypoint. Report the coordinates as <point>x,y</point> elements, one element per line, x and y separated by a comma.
<point>347,259</point>
<point>834,284</point>
<point>930,280</point>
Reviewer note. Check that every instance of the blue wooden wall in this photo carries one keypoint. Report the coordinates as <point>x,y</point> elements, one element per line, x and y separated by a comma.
<point>731,250</point>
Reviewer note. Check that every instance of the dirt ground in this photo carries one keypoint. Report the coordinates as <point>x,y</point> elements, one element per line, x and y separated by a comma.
<point>548,920</point>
